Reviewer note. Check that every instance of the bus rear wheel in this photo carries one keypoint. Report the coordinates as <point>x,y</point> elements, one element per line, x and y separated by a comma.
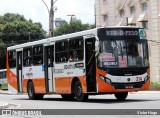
<point>121,96</point>
<point>80,96</point>
<point>31,92</point>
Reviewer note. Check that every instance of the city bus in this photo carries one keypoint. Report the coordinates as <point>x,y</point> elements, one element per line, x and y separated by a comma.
<point>112,60</point>
<point>3,79</point>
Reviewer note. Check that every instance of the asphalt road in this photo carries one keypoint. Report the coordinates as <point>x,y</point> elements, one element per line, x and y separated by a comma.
<point>134,101</point>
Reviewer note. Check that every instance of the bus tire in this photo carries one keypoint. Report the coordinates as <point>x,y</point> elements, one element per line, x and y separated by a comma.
<point>80,96</point>
<point>39,96</point>
<point>68,96</point>
<point>31,92</point>
<point>121,96</point>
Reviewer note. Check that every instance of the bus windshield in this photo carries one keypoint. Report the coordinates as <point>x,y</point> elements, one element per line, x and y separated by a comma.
<point>123,53</point>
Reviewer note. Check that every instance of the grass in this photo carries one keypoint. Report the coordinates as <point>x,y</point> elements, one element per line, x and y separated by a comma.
<point>155,85</point>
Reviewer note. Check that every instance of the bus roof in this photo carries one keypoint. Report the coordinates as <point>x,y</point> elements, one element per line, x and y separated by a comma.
<point>66,36</point>
<point>52,39</point>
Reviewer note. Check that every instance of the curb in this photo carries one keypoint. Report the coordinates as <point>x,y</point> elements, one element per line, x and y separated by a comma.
<point>5,92</point>
<point>3,105</point>
<point>146,92</point>
<point>10,93</point>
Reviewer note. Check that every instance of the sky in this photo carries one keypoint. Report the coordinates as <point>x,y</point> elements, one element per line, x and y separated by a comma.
<point>37,11</point>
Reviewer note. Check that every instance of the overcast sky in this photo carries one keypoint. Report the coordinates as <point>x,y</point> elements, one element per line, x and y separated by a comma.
<point>37,11</point>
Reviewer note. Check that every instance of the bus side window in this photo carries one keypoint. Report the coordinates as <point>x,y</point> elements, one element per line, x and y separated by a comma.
<point>76,49</point>
<point>12,59</point>
<point>27,56</point>
<point>62,51</point>
<point>37,55</point>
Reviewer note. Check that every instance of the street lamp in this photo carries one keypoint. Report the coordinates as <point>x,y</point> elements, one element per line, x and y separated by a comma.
<point>46,6</point>
<point>51,17</point>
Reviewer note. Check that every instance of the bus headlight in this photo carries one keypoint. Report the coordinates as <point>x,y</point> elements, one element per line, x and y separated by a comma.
<point>105,79</point>
<point>146,78</point>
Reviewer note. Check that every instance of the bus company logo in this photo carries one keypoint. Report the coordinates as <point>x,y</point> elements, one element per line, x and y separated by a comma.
<point>30,69</point>
<point>29,73</point>
<point>70,66</point>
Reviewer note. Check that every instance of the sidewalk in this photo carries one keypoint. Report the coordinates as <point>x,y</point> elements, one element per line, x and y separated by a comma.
<point>5,92</point>
<point>3,105</point>
<point>146,92</point>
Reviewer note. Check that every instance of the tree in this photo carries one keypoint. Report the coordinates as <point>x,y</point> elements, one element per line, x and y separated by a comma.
<point>15,29</point>
<point>73,26</point>
<point>2,55</point>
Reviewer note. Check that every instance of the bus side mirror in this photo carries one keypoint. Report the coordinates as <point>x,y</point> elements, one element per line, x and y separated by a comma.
<point>96,46</point>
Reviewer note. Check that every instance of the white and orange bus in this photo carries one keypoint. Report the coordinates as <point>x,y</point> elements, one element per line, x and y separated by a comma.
<point>112,60</point>
<point>3,79</point>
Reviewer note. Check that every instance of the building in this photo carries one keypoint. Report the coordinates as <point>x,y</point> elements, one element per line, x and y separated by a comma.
<point>143,13</point>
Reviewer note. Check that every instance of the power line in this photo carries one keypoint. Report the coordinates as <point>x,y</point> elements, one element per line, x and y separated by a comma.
<point>76,13</point>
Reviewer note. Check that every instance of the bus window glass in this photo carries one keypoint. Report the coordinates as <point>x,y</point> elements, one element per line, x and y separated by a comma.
<point>122,54</point>
<point>12,59</point>
<point>76,49</point>
<point>50,56</point>
<point>27,56</point>
<point>37,55</point>
<point>62,51</point>
<point>146,56</point>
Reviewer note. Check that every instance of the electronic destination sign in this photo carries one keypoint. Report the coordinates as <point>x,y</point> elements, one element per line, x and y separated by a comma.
<point>122,32</point>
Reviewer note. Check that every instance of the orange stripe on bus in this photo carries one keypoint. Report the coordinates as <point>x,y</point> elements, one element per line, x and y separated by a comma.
<point>39,85</point>
<point>63,84</point>
<point>12,79</point>
<point>101,72</point>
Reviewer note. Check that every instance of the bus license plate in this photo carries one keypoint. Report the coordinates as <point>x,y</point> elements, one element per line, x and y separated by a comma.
<point>129,87</point>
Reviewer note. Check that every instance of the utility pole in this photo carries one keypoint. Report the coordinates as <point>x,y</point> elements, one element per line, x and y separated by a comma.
<point>51,19</point>
<point>127,21</point>
<point>95,14</point>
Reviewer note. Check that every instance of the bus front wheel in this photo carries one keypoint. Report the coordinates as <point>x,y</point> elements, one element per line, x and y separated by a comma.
<point>121,96</point>
<point>80,96</point>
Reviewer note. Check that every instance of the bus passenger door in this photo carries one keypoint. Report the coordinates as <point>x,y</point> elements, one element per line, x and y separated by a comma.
<point>19,70</point>
<point>90,64</point>
<point>49,65</point>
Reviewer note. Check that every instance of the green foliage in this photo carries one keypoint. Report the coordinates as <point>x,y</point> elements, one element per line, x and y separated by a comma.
<point>3,47</point>
<point>73,26</point>
<point>15,29</point>
<point>8,17</point>
<point>155,85</point>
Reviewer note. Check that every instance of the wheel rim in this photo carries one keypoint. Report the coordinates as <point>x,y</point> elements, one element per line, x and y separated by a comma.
<point>78,91</point>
